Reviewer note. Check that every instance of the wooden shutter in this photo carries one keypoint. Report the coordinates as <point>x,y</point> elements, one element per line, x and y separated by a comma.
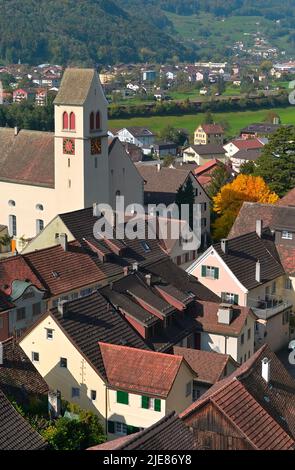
<point>216,273</point>
<point>144,402</point>
<point>122,397</point>
<point>203,271</point>
<point>236,299</point>
<point>157,404</point>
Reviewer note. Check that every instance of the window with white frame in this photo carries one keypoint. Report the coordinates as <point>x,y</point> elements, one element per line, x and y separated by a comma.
<point>286,235</point>
<point>12,225</point>
<point>39,226</point>
<point>49,333</point>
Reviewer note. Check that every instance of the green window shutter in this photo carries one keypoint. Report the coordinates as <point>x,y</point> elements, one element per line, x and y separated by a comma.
<point>157,404</point>
<point>122,397</point>
<point>236,299</point>
<point>131,429</point>
<point>111,427</point>
<point>145,402</point>
<point>203,271</point>
<point>216,273</point>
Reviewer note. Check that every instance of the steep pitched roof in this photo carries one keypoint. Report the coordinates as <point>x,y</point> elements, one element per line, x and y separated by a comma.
<point>27,158</point>
<point>208,366</point>
<point>137,370</point>
<point>167,434</point>
<point>92,319</point>
<point>138,131</point>
<point>210,165</point>
<point>18,376</point>
<point>15,432</point>
<point>75,86</point>
<point>262,411</point>
<point>243,254</point>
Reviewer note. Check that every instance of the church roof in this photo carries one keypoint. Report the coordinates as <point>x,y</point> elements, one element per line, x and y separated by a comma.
<point>27,158</point>
<point>75,86</point>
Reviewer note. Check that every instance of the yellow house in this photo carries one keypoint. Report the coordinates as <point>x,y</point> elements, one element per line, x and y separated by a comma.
<point>129,387</point>
<point>209,134</point>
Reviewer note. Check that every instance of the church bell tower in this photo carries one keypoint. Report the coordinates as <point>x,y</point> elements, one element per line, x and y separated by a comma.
<point>81,142</point>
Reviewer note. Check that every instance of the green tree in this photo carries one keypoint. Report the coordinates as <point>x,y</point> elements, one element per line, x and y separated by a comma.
<point>171,134</point>
<point>277,162</point>
<point>208,118</point>
<point>75,434</point>
<point>247,168</point>
<point>219,177</point>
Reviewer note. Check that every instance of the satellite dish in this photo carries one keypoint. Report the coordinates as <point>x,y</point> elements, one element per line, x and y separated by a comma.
<point>292,344</point>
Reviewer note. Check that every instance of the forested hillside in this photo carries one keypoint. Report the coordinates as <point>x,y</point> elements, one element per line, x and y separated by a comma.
<point>111,31</point>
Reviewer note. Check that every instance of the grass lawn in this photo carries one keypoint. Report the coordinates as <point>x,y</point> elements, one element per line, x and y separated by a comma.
<point>236,120</point>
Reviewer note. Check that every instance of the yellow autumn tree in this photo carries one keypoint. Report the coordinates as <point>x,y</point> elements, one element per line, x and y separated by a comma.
<point>229,200</point>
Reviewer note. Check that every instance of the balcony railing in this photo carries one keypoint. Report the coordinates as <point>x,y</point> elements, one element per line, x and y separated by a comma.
<point>268,307</point>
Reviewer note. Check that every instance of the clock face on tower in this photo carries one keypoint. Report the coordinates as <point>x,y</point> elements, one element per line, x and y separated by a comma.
<point>69,146</point>
<point>96,146</point>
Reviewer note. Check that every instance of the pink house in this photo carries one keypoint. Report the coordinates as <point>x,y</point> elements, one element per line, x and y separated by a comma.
<point>246,271</point>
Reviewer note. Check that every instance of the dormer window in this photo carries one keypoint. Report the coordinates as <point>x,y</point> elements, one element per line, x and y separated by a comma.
<point>287,235</point>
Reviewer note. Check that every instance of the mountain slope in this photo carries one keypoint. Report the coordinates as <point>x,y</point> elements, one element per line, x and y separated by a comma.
<point>84,31</point>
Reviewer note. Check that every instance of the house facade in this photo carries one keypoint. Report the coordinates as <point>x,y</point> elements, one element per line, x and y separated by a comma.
<point>209,134</point>
<point>94,382</point>
<point>203,153</point>
<point>243,271</point>
<point>139,136</point>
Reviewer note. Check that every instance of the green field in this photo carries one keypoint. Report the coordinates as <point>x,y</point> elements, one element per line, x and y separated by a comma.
<point>236,120</point>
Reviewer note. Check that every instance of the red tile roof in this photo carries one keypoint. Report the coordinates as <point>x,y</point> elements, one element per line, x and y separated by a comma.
<point>27,158</point>
<point>247,143</point>
<point>141,371</point>
<point>287,257</point>
<point>208,366</point>
<point>212,129</point>
<point>16,268</point>
<point>263,412</point>
<point>288,199</point>
<point>210,165</point>
<point>73,268</point>
<point>208,318</point>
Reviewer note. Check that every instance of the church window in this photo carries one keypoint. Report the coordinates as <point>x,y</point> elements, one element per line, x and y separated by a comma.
<point>65,121</point>
<point>97,120</point>
<point>39,207</point>
<point>39,226</point>
<point>11,203</point>
<point>92,121</point>
<point>72,121</point>
<point>12,225</point>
